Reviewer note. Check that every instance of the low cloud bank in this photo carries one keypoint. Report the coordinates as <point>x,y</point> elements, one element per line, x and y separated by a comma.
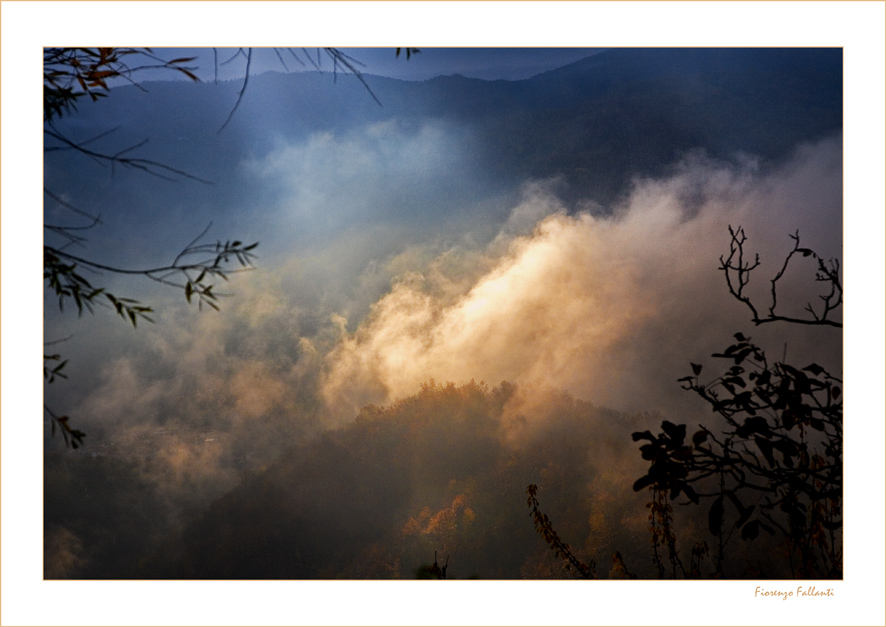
<point>610,308</point>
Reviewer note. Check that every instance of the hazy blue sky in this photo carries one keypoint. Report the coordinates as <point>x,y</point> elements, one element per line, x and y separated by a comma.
<point>487,63</point>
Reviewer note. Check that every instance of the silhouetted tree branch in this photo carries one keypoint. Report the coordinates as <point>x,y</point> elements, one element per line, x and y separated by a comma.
<point>242,89</point>
<point>778,461</point>
<point>60,271</point>
<point>774,465</point>
<point>90,69</point>
<point>546,530</point>
<point>73,437</point>
<point>409,52</point>
<point>340,60</point>
<point>69,74</point>
<point>154,168</point>
<point>738,272</point>
<point>778,458</point>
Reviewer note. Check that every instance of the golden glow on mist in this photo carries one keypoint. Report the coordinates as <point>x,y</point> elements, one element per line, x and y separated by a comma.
<point>599,306</point>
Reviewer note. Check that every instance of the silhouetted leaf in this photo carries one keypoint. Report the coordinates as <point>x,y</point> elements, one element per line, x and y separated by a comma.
<point>752,425</point>
<point>696,368</point>
<point>763,378</point>
<point>676,487</point>
<point>642,482</point>
<point>699,437</point>
<point>649,451</point>
<point>750,530</point>
<point>675,432</point>
<point>737,381</point>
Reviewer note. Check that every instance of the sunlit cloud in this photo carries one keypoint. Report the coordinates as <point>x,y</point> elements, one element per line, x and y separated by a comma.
<point>608,307</point>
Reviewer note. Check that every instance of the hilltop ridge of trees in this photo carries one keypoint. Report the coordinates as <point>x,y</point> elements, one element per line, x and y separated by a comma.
<point>441,470</point>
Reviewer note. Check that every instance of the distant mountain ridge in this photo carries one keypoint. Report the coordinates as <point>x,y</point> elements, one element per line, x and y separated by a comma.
<point>597,122</point>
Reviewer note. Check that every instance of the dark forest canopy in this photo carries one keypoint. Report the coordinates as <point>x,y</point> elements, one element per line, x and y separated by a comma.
<point>443,470</point>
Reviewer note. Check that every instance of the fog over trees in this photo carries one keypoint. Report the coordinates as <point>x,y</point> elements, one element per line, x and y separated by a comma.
<point>464,288</point>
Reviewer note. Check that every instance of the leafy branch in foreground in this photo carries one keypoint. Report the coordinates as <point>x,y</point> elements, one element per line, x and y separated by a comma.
<point>738,272</point>
<point>193,270</point>
<point>778,462</point>
<point>546,530</point>
<point>73,437</point>
<point>71,73</point>
<point>50,372</point>
<point>212,261</point>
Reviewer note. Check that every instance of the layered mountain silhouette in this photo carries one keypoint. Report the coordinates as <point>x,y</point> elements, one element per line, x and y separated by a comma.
<point>596,122</point>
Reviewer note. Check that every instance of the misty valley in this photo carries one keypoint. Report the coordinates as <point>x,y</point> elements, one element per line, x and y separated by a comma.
<point>585,324</point>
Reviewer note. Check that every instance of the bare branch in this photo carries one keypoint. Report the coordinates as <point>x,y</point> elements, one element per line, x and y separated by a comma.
<point>737,272</point>
<point>154,168</point>
<point>339,59</point>
<point>350,63</point>
<point>242,89</point>
<point>280,57</point>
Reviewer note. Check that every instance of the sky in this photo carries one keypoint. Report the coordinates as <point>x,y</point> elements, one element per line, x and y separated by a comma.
<point>487,63</point>
<point>521,285</point>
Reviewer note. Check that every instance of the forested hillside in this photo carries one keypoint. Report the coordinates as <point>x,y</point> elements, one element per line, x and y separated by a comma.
<point>444,470</point>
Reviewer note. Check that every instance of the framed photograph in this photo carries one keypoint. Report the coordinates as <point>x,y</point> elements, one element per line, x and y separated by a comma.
<point>323,316</point>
